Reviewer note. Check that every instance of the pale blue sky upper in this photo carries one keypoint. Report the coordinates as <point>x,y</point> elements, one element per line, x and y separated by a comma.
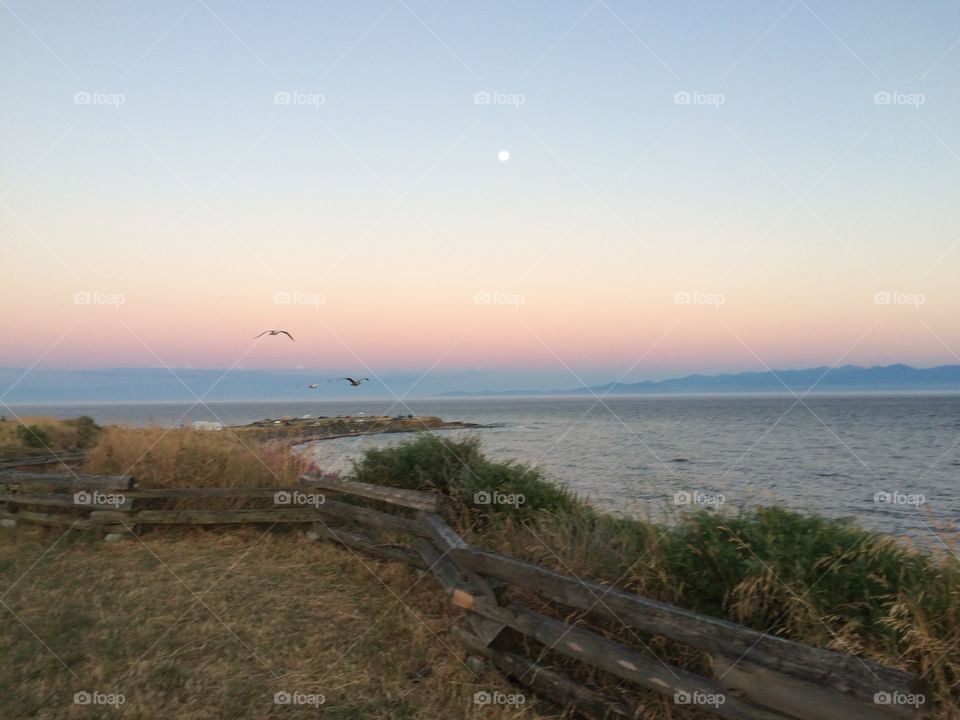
<point>399,126</point>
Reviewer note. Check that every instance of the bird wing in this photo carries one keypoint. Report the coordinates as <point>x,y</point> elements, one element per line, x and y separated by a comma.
<point>287,334</point>
<point>263,333</point>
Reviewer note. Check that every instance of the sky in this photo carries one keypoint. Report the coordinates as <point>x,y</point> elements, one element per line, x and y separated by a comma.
<point>543,194</point>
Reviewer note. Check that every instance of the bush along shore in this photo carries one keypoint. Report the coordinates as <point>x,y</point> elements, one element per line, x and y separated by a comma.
<point>799,576</point>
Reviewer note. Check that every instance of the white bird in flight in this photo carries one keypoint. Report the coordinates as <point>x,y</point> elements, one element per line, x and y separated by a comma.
<point>275,332</point>
<point>313,386</point>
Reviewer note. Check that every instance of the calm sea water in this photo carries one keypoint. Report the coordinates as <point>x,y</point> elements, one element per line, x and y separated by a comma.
<point>644,455</point>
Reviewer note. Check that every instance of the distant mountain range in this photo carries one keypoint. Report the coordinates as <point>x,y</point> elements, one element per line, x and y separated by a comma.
<point>847,378</point>
<point>143,385</point>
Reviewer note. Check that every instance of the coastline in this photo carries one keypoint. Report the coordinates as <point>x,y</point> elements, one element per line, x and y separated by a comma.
<point>309,429</point>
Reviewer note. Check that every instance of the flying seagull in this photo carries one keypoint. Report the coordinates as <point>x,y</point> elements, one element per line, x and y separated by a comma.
<point>313,386</point>
<point>355,383</point>
<point>275,332</point>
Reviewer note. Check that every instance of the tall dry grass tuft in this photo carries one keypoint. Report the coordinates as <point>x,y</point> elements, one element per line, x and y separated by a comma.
<point>160,458</point>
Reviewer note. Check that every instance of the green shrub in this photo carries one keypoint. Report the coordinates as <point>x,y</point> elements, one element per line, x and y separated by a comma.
<point>510,488</point>
<point>771,566</point>
<point>428,463</point>
<point>33,436</point>
<point>458,470</point>
<point>87,431</point>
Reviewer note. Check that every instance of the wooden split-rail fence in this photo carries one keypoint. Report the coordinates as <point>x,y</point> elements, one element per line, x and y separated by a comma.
<point>754,676</point>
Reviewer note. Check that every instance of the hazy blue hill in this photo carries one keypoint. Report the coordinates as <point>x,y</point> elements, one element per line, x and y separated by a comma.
<point>847,378</point>
<point>160,385</point>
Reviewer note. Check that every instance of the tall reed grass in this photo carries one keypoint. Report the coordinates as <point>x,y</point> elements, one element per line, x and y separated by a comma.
<point>161,458</point>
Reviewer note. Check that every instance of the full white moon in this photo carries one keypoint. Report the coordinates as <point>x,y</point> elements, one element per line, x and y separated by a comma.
<point>503,155</point>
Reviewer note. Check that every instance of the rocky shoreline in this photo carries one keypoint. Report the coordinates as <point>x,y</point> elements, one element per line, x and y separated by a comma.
<point>309,428</point>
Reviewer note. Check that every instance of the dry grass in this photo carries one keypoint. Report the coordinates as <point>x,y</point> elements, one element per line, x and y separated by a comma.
<point>160,458</point>
<point>196,624</point>
<point>798,576</point>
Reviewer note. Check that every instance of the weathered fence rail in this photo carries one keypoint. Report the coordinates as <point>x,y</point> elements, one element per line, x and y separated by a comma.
<point>38,460</point>
<point>757,676</point>
<point>395,496</point>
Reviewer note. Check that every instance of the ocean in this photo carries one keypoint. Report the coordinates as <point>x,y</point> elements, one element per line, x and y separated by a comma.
<point>889,462</point>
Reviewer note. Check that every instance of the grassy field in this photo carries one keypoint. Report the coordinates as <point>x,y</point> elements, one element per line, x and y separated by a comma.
<point>207,624</point>
<point>277,612</point>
